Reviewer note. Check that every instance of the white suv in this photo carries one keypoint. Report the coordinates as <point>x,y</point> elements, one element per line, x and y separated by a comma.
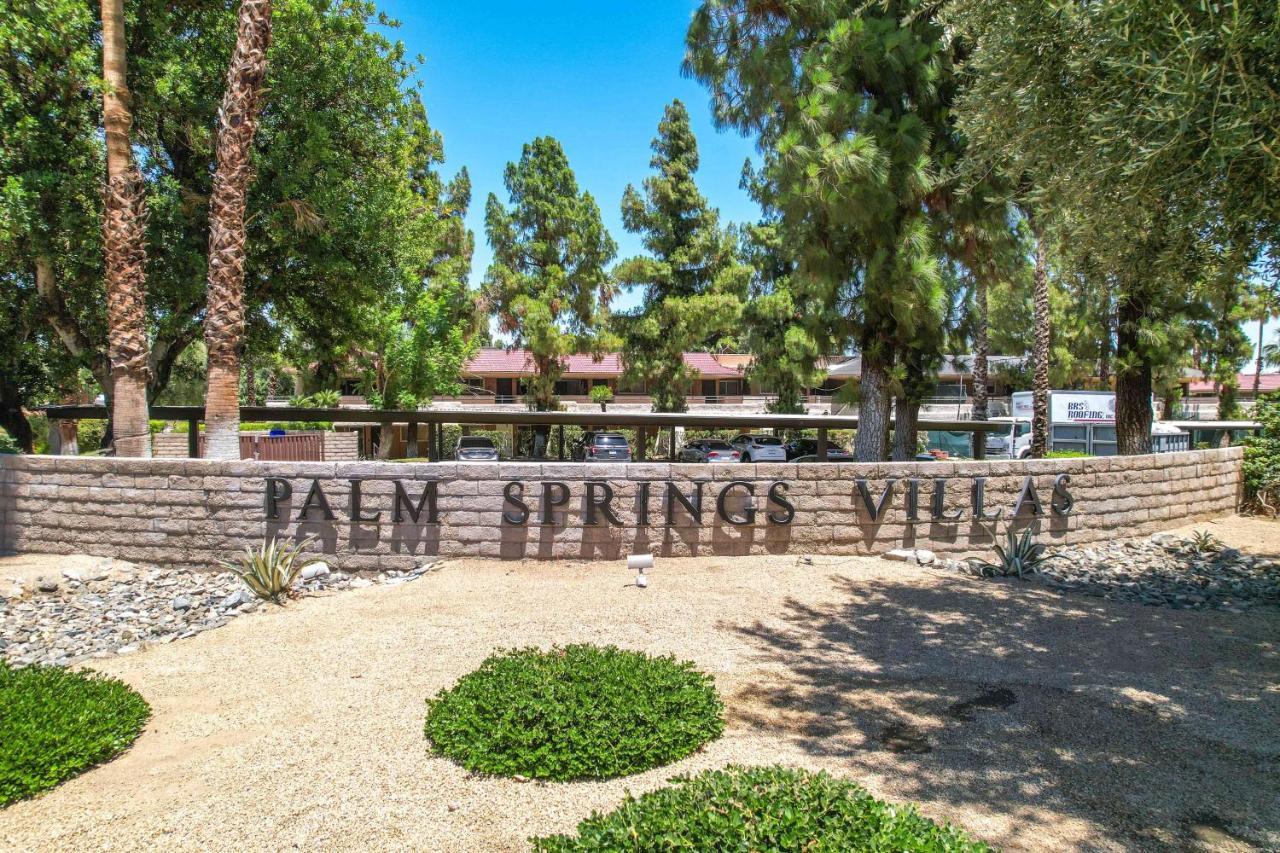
<point>760,448</point>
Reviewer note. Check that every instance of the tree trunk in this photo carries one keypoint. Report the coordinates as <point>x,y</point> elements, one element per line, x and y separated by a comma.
<point>14,420</point>
<point>1104,346</point>
<point>1040,351</point>
<point>1227,401</point>
<point>123,238</point>
<point>64,438</point>
<point>224,320</point>
<point>981,344</point>
<point>250,381</point>
<point>386,438</point>
<point>872,438</point>
<point>906,417</point>
<point>1133,381</point>
<point>1257,365</point>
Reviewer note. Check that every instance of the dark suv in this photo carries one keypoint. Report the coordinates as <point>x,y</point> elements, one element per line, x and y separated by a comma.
<point>799,447</point>
<point>602,447</point>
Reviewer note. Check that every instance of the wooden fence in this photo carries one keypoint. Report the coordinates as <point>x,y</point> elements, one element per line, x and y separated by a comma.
<point>304,447</point>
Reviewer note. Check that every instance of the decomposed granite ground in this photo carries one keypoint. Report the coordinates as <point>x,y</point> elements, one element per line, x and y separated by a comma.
<point>1037,720</point>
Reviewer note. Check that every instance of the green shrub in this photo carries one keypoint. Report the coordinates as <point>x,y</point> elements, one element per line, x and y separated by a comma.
<point>1261,467</point>
<point>55,723</point>
<point>89,434</point>
<point>759,808</point>
<point>1066,454</point>
<point>7,444</point>
<point>325,399</point>
<point>601,394</point>
<point>578,712</point>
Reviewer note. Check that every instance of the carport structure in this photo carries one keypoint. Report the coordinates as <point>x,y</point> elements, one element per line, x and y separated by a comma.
<point>642,422</point>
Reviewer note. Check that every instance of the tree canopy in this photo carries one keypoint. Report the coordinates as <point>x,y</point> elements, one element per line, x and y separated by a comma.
<point>549,282</point>
<point>843,98</point>
<point>333,213</point>
<point>692,281</point>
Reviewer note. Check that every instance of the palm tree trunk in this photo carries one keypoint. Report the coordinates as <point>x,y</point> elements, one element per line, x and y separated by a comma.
<point>1040,350</point>
<point>1104,347</point>
<point>1257,365</point>
<point>250,380</point>
<point>981,340</point>
<point>224,320</point>
<point>125,256</point>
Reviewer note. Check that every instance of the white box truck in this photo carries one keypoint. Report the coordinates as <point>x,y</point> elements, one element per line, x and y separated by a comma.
<point>1078,420</point>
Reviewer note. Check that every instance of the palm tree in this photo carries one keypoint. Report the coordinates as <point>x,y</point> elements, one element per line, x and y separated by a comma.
<point>224,320</point>
<point>1040,346</point>
<point>1266,304</point>
<point>124,250</point>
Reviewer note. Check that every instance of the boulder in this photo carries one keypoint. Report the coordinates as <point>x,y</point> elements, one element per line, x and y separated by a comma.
<point>317,569</point>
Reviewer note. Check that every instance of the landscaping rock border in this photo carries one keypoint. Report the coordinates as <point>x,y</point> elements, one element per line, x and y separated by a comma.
<point>1159,571</point>
<point>119,608</point>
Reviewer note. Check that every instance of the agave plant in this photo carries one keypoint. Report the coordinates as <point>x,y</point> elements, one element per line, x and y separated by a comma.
<point>1202,542</point>
<point>1021,555</point>
<point>270,571</point>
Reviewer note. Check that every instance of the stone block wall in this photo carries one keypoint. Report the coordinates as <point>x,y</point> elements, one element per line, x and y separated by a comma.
<point>192,512</point>
<point>341,446</point>
<point>169,445</point>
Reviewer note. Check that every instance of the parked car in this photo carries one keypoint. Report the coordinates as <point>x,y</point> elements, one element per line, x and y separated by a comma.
<point>602,447</point>
<point>475,448</point>
<point>760,448</point>
<point>709,450</point>
<point>798,447</point>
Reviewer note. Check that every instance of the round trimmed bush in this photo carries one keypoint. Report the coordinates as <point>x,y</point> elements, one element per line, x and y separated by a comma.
<point>56,723</point>
<point>759,808</point>
<point>578,712</point>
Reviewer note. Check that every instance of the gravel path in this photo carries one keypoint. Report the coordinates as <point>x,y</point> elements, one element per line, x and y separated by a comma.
<point>1036,720</point>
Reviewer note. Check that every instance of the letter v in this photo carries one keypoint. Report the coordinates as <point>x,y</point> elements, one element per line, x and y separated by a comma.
<point>876,510</point>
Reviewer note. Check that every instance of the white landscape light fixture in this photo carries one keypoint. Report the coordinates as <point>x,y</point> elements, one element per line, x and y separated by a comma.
<point>640,562</point>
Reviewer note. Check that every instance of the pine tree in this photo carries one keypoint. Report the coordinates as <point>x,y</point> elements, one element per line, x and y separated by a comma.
<point>692,282</point>
<point>776,332</point>
<point>548,282</point>
<point>841,96</point>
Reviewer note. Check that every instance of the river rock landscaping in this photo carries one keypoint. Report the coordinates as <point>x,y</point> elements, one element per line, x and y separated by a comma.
<point>118,608</point>
<point>1160,571</point>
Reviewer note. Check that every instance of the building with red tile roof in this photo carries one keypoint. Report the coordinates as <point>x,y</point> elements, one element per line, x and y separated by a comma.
<point>1267,383</point>
<point>502,372</point>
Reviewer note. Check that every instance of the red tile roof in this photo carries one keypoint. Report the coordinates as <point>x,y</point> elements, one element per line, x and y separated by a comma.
<point>496,361</point>
<point>1268,382</point>
<point>707,366</point>
<point>492,360</point>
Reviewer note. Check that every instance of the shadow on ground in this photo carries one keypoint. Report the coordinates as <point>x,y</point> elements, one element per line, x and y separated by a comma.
<point>1156,727</point>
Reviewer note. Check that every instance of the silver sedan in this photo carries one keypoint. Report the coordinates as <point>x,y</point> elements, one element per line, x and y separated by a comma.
<point>709,450</point>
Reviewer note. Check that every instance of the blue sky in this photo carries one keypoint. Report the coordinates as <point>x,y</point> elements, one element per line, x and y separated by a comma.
<point>595,75</point>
